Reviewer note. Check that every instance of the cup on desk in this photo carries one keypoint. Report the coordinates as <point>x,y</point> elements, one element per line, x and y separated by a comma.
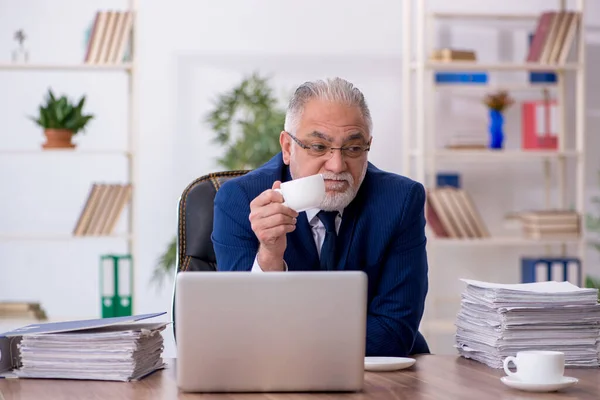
<point>537,366</point>
<point>303,193</point>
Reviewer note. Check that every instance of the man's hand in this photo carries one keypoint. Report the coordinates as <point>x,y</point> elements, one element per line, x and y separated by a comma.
<point>271,221</point>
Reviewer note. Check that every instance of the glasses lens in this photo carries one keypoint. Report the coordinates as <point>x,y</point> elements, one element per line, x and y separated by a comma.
<point>317,149</point>
<point>353,151</point>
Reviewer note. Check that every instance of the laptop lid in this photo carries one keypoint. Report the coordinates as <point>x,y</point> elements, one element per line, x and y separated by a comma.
<point>267,332</point>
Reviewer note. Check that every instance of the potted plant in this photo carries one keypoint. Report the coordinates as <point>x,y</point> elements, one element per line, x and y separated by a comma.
<point>246,121</point>
<point>61,120</point>
<point>497,103</point>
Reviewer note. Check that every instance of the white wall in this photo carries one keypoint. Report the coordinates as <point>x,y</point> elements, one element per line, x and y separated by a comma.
<point>188,52</point>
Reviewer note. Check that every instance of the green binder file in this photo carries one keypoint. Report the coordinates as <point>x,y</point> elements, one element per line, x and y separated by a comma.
<point>116,285</point>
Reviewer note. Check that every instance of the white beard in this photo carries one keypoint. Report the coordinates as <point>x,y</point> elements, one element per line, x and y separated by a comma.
<point>339,200</point>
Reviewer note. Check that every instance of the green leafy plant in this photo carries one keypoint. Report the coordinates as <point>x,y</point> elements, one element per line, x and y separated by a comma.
<point>593,225</point>
<point>61,113</point>
<point>246,121</point>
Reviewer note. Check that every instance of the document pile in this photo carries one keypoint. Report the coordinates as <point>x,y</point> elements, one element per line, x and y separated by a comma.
<point>104,349</point>
<point>497,320</point>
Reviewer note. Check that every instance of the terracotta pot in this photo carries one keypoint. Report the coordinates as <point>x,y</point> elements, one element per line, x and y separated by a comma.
<point>58,139</point>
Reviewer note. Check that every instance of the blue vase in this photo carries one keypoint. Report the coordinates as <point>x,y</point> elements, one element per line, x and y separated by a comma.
<point>496,128</point>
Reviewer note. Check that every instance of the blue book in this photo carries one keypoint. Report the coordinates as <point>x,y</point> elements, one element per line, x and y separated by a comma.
<point>461,77</point>
<point>448,179</point>
<point>541,77</point>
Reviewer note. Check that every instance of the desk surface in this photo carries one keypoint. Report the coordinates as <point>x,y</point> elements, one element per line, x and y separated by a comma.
<point>432,377</point>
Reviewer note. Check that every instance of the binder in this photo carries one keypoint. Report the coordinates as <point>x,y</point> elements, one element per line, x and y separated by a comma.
<point>10,349</point>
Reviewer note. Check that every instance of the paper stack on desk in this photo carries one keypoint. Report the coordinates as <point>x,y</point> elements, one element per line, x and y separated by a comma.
<point>116,349</point>
<point>496,321</point>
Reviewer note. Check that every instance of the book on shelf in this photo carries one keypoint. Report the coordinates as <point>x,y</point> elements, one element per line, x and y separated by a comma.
<point>110,37</point>
<point>113,349</point>
<point>554,37</point>
<point>104,205</point>
<point>451,213</point>
<point>450,55</point>
<point>22,310</point>
<point>549,224</point>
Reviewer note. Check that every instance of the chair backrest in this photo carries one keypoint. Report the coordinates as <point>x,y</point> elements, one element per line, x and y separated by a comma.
<point>195,251</point>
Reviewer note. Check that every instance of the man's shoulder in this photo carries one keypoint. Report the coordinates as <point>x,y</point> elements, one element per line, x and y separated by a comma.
<point>258,180</point>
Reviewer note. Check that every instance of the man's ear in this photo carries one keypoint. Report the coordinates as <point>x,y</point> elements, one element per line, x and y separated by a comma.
<point>286,147</point>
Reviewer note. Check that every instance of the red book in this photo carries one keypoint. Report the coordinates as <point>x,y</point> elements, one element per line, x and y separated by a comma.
<point>540,36</point>
<point>433,220</point>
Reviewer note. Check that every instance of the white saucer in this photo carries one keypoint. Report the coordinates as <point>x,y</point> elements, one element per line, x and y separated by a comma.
<point>387,363</point>
<point>514,382</point>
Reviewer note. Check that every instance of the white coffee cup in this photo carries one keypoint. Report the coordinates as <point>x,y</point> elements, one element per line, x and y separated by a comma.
<point>537,366</point>
<point>303,193</point>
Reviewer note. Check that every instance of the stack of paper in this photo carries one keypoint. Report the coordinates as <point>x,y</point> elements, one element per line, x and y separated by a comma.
<point>117,352</point>
<point>496,321</point>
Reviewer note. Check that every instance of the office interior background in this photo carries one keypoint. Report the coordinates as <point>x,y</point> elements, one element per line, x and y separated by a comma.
<point>151,112</point>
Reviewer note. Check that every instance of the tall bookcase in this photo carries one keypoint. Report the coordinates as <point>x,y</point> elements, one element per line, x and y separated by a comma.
<point>128,67</point>
<point>423,159</point>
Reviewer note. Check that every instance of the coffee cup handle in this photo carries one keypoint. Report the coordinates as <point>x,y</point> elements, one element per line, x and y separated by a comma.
<point>280,191</point>
<point>508,360</point>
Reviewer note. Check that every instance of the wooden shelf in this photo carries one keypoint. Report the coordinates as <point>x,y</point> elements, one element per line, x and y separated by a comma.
<point>484,16</point>
<point>503,241</point>
<point>65,67</point>
<point>478,87</point>
<point>476,66</point>
<point>55,236</point>
<point>497,155</point>
<point>19,152</point>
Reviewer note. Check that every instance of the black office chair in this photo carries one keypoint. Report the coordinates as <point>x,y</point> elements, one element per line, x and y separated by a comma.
<point>194,247</point>
<point>195,251</point>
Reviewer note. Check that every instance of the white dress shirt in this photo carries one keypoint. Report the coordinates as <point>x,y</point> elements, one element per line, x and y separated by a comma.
<point>318,232</point>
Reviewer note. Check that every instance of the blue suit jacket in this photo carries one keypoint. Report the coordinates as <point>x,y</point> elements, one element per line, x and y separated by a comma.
<point>382,233</point>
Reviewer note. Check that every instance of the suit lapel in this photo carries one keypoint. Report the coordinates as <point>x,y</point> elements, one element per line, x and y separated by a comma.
<point>346,236</point>
<point>348,228</point>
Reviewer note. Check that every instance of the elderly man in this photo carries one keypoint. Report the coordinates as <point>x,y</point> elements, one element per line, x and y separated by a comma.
<point>376,218</point>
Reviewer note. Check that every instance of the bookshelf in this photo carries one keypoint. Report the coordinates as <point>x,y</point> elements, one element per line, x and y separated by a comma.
<point>423,158</point>
<point>120,34</point>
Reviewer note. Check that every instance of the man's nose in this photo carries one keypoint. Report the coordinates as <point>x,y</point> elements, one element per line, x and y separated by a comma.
<point>336,163</point>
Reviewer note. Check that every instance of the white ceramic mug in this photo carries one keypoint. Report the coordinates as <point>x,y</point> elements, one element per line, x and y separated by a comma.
<point>537,366</point>
<point>303,193</point>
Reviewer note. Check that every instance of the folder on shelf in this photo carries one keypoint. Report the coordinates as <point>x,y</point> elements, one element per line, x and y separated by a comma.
<point>118,349</point>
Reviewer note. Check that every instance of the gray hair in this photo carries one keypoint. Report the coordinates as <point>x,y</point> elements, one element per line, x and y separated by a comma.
<point>335,90</point>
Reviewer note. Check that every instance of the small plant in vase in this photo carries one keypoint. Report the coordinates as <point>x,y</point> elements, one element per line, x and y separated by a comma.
<point>497,103</point>
<point>61,120</point>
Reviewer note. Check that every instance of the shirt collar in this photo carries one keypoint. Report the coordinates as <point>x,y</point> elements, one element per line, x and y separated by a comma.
<point>311,215</point>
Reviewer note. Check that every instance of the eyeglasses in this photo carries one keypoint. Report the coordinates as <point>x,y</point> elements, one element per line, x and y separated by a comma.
<point>319,149</point>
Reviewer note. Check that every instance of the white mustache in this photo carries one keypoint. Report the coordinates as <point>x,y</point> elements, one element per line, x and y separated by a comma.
<point>344,176</point>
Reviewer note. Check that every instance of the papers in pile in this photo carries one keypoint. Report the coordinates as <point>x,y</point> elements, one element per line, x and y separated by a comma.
<point>499,320</point>
<point>115,349</point>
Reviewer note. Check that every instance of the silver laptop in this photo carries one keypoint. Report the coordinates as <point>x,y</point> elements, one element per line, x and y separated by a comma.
<point>270,332</point>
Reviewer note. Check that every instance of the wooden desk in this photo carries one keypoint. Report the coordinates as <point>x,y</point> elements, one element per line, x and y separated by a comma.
<point>432,377</point>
